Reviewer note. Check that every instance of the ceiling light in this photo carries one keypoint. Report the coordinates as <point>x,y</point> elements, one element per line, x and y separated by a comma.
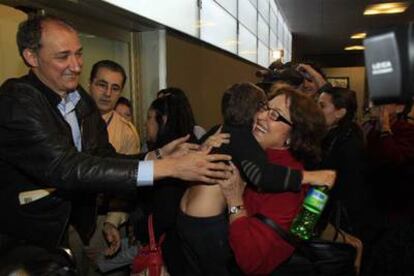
<point>359,36</point>
<point>386,8</point>
<point>355,48</point>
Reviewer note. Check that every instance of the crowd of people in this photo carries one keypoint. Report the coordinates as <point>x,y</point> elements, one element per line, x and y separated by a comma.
<point>74,175</point>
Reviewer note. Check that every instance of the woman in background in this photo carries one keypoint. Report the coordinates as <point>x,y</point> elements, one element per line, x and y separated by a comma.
<point>168,118</point>
<point>197,130</point>
<point>343,151</point>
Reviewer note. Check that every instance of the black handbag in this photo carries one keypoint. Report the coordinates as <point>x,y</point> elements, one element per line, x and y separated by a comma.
<point>313,257</point>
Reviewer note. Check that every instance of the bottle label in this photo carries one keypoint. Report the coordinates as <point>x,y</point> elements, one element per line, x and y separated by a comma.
<point>315,201</point>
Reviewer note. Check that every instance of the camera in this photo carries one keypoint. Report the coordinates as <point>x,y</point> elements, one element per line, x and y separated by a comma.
<point>278,71</point>
<point>389,60</point>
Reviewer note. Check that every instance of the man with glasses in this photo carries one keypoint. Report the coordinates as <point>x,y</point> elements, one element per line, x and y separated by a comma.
<point>106,83</point>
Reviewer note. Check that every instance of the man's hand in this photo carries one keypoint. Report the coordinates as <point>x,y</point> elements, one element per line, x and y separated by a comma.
<point>319,178</point>
<point>313,74</point>
<point>113,238</point>
<point>194,166</point>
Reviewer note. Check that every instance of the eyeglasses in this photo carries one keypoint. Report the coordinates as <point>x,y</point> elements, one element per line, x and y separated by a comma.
<point>104,86</point>
<point>273,114</point>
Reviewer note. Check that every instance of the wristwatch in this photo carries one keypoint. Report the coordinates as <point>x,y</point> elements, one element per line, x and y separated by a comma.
<point>158,154</point>
<point>235,209</point>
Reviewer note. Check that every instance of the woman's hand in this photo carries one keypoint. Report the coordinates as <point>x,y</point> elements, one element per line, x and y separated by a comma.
<point>176,148</point>
<point>330,233</point>
<point>357,244</point>
<point>233,187</point>
<point>217,139</point>
<point>319,178</point>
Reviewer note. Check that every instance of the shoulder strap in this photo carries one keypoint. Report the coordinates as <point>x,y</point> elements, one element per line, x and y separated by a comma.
<point>288,237</point>
<point>292,240</point>
<point>152,243</point>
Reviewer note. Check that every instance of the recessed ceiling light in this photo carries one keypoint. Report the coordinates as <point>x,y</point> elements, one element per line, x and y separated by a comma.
<point>386,8</point>
<point>355,48</point>
<point>359,36</point>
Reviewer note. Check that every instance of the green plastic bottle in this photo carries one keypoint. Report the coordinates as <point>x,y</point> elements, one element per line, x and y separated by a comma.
<point>312,207</point>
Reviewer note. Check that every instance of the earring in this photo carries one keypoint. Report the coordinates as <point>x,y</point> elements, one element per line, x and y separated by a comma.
<point>287,142</point>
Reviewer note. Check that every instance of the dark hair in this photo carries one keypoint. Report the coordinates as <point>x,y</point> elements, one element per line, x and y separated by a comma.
<point>29,33</point>
<point>309,125</point>
<point>179,123</point>
<point>240,102</point>
<point>108,64</point>
<point>343,98</point>
<point>172,91</point>
<point>181,95</point>
<point>124,101</point>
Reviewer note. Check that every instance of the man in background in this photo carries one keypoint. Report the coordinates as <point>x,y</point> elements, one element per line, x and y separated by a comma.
<point>106,82</point>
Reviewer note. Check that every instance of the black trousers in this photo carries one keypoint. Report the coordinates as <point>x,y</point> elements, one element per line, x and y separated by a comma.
<point>205,244</point>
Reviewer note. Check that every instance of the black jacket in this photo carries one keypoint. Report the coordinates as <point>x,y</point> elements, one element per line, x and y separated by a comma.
<point>343,151</point>
<point>37,151</point>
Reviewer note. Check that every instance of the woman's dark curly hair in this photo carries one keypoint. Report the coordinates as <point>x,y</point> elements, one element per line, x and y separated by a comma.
<point>309,125</point>
<point>173,118</point>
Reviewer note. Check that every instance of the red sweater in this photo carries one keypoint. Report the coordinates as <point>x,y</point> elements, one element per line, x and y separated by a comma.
<point>257,248</point>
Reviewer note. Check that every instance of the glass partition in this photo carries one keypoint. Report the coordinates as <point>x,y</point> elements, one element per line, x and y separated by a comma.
<point>223,23</point>
<point>221,27</point>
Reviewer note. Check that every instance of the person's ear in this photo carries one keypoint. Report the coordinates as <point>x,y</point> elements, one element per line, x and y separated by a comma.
<point>340,113</point>
<point>30,57</point>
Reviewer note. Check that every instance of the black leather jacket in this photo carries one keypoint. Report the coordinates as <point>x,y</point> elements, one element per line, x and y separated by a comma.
<point>37,152</point>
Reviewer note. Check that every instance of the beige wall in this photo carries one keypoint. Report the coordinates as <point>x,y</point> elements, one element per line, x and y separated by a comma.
<point>357,80</point>
<point>11,63</point>
<point>204,73</point>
